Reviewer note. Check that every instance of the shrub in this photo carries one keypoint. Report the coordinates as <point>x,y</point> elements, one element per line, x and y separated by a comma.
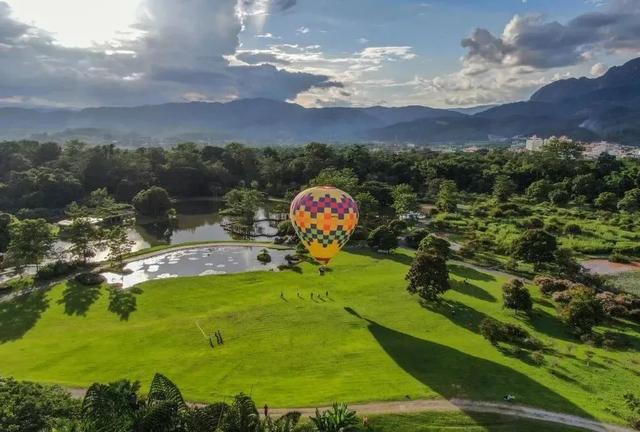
<point>572,229</point>
<point>285,228</point>
<point>382,238</point>
<point>563,297</point>
<point>533,223</point>
<point>538,358</point>
<point>516,296</point>
<point>618,257</point>
<point>550,285</point>
<point>264,256</point>
<point>56,270</point>
<point>435,245</point>
<point>301,249</point>
<point>397,226</point>
<point>583,311</point>
<point>414,238</point>
<point>495,331</point>
<point>89,279</point>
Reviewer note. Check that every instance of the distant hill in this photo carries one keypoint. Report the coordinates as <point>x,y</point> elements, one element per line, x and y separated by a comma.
<point>607,107</point>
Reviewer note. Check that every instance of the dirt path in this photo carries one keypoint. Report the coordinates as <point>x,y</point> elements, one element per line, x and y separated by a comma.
<point>439,405</point>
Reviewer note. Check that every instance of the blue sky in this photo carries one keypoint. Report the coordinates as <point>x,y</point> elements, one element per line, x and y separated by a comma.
<point>75,53</point>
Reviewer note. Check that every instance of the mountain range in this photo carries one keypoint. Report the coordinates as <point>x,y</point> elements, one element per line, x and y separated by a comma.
<point>607,107</point>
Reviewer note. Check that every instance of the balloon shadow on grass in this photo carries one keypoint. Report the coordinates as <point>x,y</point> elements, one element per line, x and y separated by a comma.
<point>454,374</point>
<point>19,315</point>
<point>78,298</point>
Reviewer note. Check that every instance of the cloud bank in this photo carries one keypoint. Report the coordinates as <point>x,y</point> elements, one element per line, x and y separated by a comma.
<point>180,52</point>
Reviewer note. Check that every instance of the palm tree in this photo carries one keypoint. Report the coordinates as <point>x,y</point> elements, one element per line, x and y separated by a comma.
<point>285,423</point>
<point>337,419</point>
<point>116,407</point>
<point>242,415</point>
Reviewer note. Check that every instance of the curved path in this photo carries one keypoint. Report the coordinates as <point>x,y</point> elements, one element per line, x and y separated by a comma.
<point>443,405</point>
<point>415,406</point>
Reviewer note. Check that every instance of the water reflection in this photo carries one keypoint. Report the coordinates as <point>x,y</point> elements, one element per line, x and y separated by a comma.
<point>200,261</point>
<point>196,221</point>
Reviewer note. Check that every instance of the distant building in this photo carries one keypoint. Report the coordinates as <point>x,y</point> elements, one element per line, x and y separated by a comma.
<point>595,149</point>
<point>534,144</point>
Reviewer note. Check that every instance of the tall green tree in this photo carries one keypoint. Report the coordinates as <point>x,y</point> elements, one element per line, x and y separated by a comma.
<point>84,237</point>
<point>447,197</point>
<point>31,241</point>
<point>428,276</point>
<point>535,246</point>
<point>503,188</point>
<point>344,179</point>
<point>117,242</point>
<point>154,201</point>
<point>516,296</point>
<point>242,204</point>
<point>435,245</point>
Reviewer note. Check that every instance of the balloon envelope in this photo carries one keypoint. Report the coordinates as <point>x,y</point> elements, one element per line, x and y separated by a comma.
<point>324,218</point>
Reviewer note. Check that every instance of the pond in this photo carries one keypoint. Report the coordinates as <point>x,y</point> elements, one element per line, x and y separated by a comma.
<point>197,220</point>
<point>197,261</point>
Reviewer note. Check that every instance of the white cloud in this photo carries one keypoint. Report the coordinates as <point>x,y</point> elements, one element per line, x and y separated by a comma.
<point>599,69</point>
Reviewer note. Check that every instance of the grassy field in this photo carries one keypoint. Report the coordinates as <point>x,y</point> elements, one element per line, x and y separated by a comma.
<point>368,340</point>
<point>453,421</point>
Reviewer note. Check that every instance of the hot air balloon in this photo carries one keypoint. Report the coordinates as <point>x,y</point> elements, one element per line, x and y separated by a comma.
<point>324,218</point>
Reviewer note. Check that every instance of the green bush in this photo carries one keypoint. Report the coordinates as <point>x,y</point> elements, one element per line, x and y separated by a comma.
<point>89,279</point>
<point>56,270</point>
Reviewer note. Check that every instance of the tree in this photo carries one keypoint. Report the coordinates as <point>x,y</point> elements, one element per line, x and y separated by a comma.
<point>154,202</point>
<point>447,197</point>
<point>404,199</point>
<point>606,201</point>
<point>583,311</point>
<point>516,296</point>
<point>535,246</point>
<point>242,204</point>
<point>563,149</point>
<point>242,415</point>
<point>503,188</point>
<point>31,241</point>
<point>428,276</point>
<point>382,238</point>
<point>5,238</point>
<point>344,179</point>
<point>118,243</point>
<point>585,185</point>
<point>83,235</point>
<point>30,407</point>
<point>435,245</point>
<point>339,418</point>
<point>631,201</point>
<point>559,197</point>
<point>117,406</point>
<point>368,206</point>
<point>539,190</point>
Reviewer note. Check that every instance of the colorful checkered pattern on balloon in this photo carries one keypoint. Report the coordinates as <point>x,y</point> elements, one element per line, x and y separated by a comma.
<point>324,216</point>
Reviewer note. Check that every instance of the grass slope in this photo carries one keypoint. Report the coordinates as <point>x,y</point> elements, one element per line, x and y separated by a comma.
<point>453,421</point>
<point>369,340</point>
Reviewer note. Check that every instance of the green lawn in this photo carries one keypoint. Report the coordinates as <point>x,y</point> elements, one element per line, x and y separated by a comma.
<point>454,421</point>
<point>369,340</point>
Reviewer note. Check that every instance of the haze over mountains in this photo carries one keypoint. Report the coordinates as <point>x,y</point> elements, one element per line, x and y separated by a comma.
<point>607,107</point>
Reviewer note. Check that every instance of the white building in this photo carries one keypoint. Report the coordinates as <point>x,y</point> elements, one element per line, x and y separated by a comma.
<point>534,144</point>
